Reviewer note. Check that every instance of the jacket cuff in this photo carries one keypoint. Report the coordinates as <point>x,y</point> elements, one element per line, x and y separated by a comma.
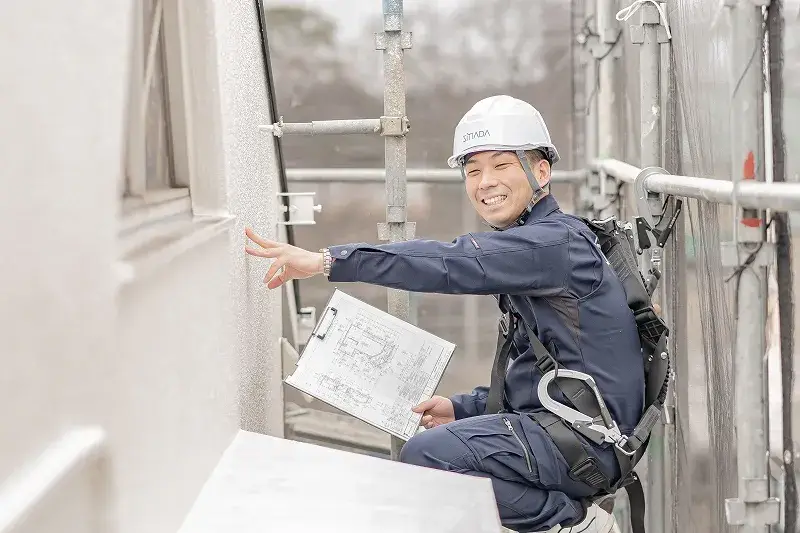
<point>463,406</point>
<point>344,265</point>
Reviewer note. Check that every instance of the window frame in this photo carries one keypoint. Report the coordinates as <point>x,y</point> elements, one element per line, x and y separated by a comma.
<point>157,224</point>
<point>166,42</point>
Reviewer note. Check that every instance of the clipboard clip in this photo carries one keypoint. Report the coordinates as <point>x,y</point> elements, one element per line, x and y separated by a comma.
<point>318,331</point>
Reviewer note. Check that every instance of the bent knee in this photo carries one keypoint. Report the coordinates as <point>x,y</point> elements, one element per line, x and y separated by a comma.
<point>415,451</point>
<point>435,448</point>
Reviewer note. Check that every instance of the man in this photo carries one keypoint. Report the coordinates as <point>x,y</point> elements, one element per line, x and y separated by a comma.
<point>552,279</point>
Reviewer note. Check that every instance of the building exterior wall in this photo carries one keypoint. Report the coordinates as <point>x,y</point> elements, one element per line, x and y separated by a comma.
<point>163,350</point>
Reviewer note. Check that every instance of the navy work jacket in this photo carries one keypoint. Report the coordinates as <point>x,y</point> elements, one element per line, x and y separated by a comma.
<point>557,280</point>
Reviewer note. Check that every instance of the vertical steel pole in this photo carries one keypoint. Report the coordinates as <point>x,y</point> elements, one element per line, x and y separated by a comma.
<point>649,36</point>
<point>606,55</point>
<point>591,187</point>
<point>393,42</point>
<point>754,510</point>
<point>677,481</point>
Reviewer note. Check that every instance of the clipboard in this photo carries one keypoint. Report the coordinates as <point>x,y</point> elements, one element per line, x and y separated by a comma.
<point>371,365</point>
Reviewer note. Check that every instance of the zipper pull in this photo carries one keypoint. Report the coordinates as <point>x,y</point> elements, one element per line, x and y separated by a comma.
<point>508,424</point>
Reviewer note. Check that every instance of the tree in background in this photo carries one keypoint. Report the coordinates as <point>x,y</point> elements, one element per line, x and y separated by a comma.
<point>304,50</point>
<point>485,47</point>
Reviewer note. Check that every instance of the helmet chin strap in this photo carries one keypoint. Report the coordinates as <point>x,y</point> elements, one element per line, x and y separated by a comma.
<point>538,192</point>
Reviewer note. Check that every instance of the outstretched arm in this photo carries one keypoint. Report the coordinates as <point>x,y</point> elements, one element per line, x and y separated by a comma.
<point>512,261</point>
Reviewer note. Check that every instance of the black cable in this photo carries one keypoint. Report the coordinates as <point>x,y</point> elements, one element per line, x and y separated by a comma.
<point>775,29</point>
<point>273,112</point>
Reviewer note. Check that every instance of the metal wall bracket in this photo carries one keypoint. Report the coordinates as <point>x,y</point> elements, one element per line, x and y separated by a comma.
<point>733,254</point>
<point>301,208</point>
<point>384,231</point>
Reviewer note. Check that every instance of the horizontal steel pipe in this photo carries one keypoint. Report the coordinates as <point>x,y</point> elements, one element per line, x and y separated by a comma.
<point>414,175</point>
<point>617,169</point>
<point>751,194</point>
<point>326,127</point>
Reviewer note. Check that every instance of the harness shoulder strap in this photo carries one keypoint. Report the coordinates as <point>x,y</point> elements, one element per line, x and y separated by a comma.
<point>577,392</point>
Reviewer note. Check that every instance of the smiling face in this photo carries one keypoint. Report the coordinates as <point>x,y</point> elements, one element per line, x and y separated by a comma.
<point>498,187</point>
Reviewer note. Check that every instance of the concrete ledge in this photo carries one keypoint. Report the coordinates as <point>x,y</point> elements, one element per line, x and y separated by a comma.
<point>264,483</point>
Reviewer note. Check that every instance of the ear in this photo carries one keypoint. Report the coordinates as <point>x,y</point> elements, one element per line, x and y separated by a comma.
<point>543,171</point>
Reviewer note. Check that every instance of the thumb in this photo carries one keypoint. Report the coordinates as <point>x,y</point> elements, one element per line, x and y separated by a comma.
<point>424,406</point>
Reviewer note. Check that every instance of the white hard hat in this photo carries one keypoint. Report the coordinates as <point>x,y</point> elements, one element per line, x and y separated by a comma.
<point>501,123</point>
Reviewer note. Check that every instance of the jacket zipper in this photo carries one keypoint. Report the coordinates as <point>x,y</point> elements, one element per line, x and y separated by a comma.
<point>524,449</point>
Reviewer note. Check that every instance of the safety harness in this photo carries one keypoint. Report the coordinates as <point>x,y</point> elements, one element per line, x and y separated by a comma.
<point>588,414</point>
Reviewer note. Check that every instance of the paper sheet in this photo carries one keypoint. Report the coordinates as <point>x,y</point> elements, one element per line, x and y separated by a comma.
<point>371,365</point>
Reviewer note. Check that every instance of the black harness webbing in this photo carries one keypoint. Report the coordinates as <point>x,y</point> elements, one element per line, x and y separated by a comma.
<point>583,467</point>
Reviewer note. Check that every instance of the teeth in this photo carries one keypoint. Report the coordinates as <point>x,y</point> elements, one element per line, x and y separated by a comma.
<point>494,200</point>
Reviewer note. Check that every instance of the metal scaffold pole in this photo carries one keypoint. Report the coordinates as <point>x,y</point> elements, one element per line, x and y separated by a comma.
<point>606,53</point>
<point>587,38</point>
<point>393,126</point>
<point>393,42</point>
<point>649,35</point>
<point>754,510</point>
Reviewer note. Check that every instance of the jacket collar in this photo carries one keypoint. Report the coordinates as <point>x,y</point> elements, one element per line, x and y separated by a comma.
<point>541,209</point>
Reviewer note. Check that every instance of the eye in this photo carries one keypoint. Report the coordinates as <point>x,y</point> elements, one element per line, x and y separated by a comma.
<point>474,172</point>
<point>502,166</point>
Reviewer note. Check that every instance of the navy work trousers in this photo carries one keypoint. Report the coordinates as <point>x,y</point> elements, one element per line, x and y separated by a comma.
<point>533,493</point>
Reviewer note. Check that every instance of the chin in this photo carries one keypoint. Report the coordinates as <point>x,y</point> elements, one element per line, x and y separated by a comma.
<point>498,222</point>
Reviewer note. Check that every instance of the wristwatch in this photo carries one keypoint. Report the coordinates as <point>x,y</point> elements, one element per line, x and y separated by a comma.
<point>326,262</point>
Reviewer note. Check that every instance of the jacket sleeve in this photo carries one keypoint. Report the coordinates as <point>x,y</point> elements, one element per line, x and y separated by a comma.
<point>472,404</point>
<point>523,260</point>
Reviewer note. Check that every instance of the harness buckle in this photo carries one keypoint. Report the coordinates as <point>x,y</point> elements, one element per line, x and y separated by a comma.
<point>588,472</point>
<point>506,323</point>
<point>620,445</point>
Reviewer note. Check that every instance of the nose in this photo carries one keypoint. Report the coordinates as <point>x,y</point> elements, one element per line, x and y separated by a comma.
<point>487,179</point>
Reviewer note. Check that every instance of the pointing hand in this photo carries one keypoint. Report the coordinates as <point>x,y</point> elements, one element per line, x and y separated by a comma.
<point>295,262</point>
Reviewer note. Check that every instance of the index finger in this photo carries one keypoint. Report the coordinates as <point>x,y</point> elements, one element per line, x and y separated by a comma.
<point>264,243</point>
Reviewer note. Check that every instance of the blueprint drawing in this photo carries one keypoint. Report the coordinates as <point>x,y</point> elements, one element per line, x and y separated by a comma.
<point>371,365</point>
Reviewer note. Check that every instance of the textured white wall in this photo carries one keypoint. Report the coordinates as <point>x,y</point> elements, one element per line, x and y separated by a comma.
<point>174,362</point>
<point>252,188</point>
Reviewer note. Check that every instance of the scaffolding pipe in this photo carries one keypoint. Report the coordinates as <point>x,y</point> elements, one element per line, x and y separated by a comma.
<point>618,169</point>
<point>750,194</point>
<point>590,124</point>
<point>606,57</point>
<point>358,126</point>
<point>647,37</point>
<point>413,175</point>
<point>393,42</point>
<point>753,509</point>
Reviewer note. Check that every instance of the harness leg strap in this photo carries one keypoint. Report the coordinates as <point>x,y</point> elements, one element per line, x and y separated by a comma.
<point>637,503</point>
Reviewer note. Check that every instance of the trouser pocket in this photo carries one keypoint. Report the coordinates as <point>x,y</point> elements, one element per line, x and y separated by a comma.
<point>498,445</point>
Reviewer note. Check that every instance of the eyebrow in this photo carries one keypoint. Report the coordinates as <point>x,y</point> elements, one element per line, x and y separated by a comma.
<point>497,153</point>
